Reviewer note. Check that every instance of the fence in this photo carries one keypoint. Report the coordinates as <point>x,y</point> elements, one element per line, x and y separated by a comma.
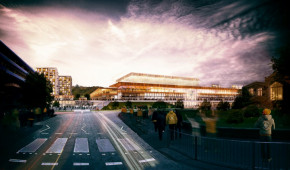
<point>231,153</point>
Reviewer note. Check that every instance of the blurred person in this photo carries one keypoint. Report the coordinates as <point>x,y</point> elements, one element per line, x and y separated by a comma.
<point>154,119</point>
<point>210,128</point>
<point>161,123</point>
<point>131,112</point>
<point>171,120</point>
<point>265,123</point>
<point>179,123</point>
<point>139,114</point>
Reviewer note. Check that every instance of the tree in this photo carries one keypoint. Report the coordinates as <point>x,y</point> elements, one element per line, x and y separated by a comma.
<point>281,69</point>
<point>115,104</point>
<point>37,91</point>
<point>223,105</point>
<point>77,96</point>
<point>55,104</point>
<point>205,105</point>
<point>243,99</point>
<point>179,104</point>
<point>159,104</point>
<point>88,96</point>
<point>128,104</point>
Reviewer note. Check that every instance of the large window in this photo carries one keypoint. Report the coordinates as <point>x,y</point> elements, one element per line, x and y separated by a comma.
<point>260,92</point>
<point>276,91</point>
<point>251,91</point>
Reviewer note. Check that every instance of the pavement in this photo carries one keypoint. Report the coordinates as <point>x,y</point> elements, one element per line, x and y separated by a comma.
<point>145,129</point>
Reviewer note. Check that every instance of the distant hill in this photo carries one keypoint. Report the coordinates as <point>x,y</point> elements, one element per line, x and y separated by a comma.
<point>78,91</point>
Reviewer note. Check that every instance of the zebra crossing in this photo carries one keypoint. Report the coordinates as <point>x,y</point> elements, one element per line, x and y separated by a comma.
<point>81,147</point>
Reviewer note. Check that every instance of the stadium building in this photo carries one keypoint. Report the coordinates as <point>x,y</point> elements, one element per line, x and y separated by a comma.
<point>149,87</point>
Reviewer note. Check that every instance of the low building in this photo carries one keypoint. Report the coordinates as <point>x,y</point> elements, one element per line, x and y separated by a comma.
<point>265,94</point>
<point>149,87</point>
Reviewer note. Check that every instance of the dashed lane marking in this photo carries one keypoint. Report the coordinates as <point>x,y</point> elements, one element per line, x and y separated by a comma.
<point>81,164</point>
<point>113,163</point>
<point>49,164</point>
<point>17,160</point>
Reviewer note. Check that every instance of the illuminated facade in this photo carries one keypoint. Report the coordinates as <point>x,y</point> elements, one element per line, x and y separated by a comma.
<point>65,85</point>
<point>145,87</point>
<point>51,74</point>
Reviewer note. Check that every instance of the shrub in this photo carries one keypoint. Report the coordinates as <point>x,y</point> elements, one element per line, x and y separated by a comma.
<point>235,116</point>
<point>251,111</point>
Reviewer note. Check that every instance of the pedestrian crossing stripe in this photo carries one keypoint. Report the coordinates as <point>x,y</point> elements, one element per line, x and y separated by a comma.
<point>57,146</point>
<point>81,145</point>
<point>33,146</point>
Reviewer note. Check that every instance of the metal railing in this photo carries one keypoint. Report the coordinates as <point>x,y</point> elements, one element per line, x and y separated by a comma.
<point>238,154</point>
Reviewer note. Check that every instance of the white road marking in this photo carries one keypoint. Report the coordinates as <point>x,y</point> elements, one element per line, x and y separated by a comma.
<point>81,164</point>
<point>81,145</point>
<point>84,130</point>
<point>47,163</point>
<point>17,160</point>
<point>104,145</point>
<point>147,160</point>
<point>58,133</point>
<point>44,133</point>
<point>45,129</point>
<point>33,146</point>
<point>73,133</point>
<point>113,163</point>
<point>57,146</point>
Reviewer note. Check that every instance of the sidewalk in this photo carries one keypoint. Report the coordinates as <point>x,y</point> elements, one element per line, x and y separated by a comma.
<point>145,130</point>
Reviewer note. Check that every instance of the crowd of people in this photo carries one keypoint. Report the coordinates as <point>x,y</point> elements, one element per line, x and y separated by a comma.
<point>173,118</point>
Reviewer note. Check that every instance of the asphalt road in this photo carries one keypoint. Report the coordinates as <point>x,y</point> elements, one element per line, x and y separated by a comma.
<point>85,140</point>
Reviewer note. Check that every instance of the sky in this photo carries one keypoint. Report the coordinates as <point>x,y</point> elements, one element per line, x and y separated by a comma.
<point>222,42</point>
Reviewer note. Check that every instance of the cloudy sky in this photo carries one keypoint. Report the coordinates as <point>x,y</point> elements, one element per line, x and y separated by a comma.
<point>98,41</point>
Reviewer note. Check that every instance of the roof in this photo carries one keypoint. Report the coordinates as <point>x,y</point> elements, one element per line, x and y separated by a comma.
<point>158,79</point>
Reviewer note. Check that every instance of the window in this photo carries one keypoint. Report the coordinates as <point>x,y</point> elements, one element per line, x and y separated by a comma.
<point>251,91</point>
<point>276,91</point>
<point>260,92</point>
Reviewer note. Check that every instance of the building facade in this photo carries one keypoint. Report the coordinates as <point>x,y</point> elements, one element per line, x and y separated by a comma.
<point>51,74</point>
<point>265,94</point>
<point>149,87</point>
<point>13,72</point>
<point>65,85</point>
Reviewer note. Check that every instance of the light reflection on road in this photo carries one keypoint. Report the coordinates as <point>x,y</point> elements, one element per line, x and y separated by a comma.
<point>135,158</point>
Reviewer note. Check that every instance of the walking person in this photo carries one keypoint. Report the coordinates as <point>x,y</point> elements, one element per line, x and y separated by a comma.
<point>210,128</point>
<point>161,123</point>
<point>139,114</point>
<point>154,119</point>
<point>265,123</point>
<point>171,120</point>
<point>179,123</point>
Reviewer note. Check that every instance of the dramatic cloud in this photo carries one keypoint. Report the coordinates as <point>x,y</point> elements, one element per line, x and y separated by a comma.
<point>96,43</point>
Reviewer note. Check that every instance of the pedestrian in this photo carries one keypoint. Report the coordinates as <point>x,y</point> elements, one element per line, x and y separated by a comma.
<point>139,114</point>
<point>171,120</point>
<point>131,113</point>
<point>161,123</point>
<point>179,123</point>
<point>210,128</point>
<point>265,123</point>
<point>154,119</point>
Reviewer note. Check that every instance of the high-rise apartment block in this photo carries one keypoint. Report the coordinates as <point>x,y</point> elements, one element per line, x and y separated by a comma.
<point>65,85</point>
<point>51,74</point>
<point>61,85</point>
